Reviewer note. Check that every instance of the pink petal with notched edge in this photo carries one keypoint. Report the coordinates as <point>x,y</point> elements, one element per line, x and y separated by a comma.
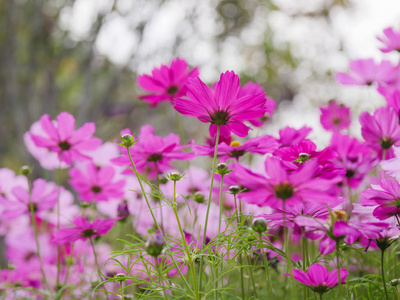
<point>66,125</point>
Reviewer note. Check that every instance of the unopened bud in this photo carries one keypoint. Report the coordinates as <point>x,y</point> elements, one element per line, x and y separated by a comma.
<point>123,210</point>
<point>234,189</point>
<point>25,170</point>
<point>120,277</point>
<point>155,244</point>
<point>175,176</point>
<point>259,225</point>
<point>127,140</point>
<point>199,198</point>
<point>394,282</point>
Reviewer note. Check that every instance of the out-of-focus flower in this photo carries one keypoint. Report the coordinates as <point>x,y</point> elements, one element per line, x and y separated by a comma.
<point>335,117</point>
<point>153,153</point>
<point>166,83</point>
<point>83,230</point>
<point>62,138</point>
<point>96,183</point>
<point>391,40</point>
<point>290,136</point>
<point>234,150</point>
<point>381,131</point>
<point>366,72</point>
<point>392,166</point>
<point>319,279</point>
<point>221,107</point>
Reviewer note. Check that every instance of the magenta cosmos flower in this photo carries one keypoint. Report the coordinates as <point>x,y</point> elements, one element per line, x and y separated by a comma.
<point>235,150</point>
<point>62,138</point>
<point>386,195</point>
<point>153,153</point>
<point>381,131</point>
<point>221,107</point>
<point>319,279</point>
<point>335,117</point>
<point>366,72</point>
<point>166,83</point>
<point>96,183</point>
<point>83,230</point>
<point>291,136</point>
<point>391,40</point>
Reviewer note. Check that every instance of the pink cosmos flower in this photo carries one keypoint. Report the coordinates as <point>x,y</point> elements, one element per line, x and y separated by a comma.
<point>366,72</point>
<point>153,152</point>
<point>166,83</point>
<point>43,198</point>
<point>341,231</point>
<point>392,166</point>
<point>290,136</point>
<point>353,156</point>
<point>391,41</point>
<point>381,131</point>
<point>83,230</point>
<point>62,138</point>
<point>335,117</point>
<point>252,88</point>
<point>282,186</point>
<point>221,106</point>
<point>96,183</point>
<point>386,195</point>
<point>319,279</point>
<point>234,150</point>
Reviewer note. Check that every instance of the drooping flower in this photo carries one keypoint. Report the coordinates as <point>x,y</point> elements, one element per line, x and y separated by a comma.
<point>335,117</point>
<point>319,279</point>
<point>221,107</point>
<point>341,230</point>
<point>353,156</point>
<point>43,197</point>
<point>391,40</point>
<point>234,150</point>
<point>366,72</point>
<point>166,83</point>
<point>96,183</point>
<point>83,230</point>
<point>386,195</point>
<point>381,131</point>
<point>153,153</point>
<point>62,138</point>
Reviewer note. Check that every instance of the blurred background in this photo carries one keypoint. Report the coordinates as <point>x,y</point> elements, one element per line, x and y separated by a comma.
<point>84,56</point>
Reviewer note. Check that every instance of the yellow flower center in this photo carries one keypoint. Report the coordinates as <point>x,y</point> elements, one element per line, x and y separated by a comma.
<point>235,144</point>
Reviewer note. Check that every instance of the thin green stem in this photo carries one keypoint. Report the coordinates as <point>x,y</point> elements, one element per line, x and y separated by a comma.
<point>266,269</point>
<point>160,276</point>
<point>208,205</point>
<point>252,277</point>
<point>189,256</point>
<point>320,296</point>
<point>97,262</point>
<point>58,222</point>
<point>158,186</point>
<point>122,292</point>
<point>143,191</point>
<point>383,274</point>
<point>69,263</point>
<point>221,205</point>
<point>241,276</point>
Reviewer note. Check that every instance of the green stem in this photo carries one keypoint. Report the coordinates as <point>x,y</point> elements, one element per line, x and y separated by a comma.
<point>160,276</point>
<point>189,256</point>
<point>97,263</point>
<point>220,204</point>
<point>58,222</point>
<point>266,268</point>
<point>241,276</point>
<point>181,129</point>
<point>320,296</point>
<point>383,275</point>
<point>158,186</point>
<point>252,277</point>
<point>122,292</point>
<point>338,268</point>
<point>69,263</point>
<point>208,205</point>
<point>143,191</point>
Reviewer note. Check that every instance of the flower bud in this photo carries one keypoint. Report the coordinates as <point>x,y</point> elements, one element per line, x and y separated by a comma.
<point>394,282</point>
<point>123,210</point>
<point>234,189</point>
<point>155,244</point>
<point>175,176</point>
<point>222,169</point>
<point>25,170</point>
<point>127,140</point>
<point>199,198</point>
<point>259,225</point>
<point>163,180</point>
<point>84,204</point>
<point>120,277</point>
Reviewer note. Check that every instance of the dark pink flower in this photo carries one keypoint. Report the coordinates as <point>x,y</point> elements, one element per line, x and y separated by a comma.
<point>391,41</point>
<point>252,88</point>
<point>166,83</point>
<point>290,136</point>
<point>381,131</point>
<point>353,156</point>
<point>341,231</point>
<point>319,279</point>
<point>152,151</point>
<point>62,138</point>
<point>221,106</point>
<point>43,198</point>
<point>335,117</point>
<point>366,72</point>
<point>96,183</point>
<point>83,230</point>
<point>234,150</point>
<point>386,196</point>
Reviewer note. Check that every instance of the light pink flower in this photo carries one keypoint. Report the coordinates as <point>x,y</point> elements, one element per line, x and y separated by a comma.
<point>391,40</point>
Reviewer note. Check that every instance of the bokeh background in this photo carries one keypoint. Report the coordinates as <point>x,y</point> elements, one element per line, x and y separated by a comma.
<point>84,56</point>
